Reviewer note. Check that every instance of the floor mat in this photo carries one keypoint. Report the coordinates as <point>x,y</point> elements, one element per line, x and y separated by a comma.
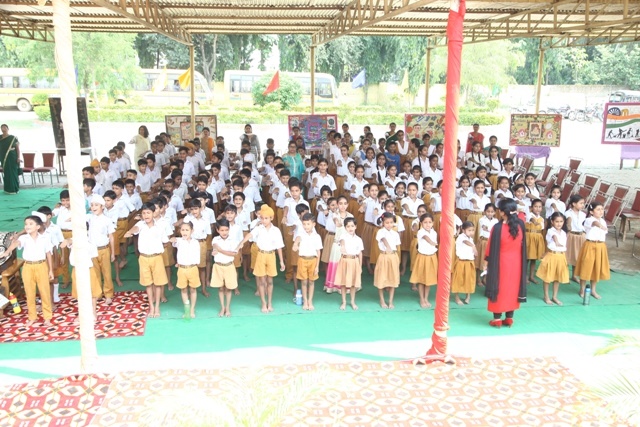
<point>491,392</point>
<point>126,316</point>
<point>69,401</point>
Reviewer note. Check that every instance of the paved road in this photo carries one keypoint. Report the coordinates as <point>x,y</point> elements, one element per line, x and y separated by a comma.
<point>578,139</point>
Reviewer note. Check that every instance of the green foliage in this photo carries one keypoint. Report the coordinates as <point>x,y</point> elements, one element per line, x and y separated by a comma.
<point>42,112</point>
<point>492,104</point>
<point>40,99</point>
<point>288,94</point>
<point>294,52</point>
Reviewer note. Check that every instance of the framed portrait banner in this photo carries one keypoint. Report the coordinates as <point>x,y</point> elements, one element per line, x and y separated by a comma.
<point>314,128</point>
<point>179,127</point>
<point>621,123</point>
<point>537,130</point>
<point>55,107</point>
<point>416,125</point>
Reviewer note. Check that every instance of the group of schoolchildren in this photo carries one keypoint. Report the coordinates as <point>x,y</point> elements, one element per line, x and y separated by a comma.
<point>378,207</point>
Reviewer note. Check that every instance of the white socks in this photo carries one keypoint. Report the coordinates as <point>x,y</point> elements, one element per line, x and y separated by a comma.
<point>56,296</point>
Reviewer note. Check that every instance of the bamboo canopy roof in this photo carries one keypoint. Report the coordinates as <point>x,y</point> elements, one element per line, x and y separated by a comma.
<point>559,22</point>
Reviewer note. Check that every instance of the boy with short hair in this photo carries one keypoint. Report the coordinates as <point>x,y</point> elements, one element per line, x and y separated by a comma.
<point>289,219</point>
<point>101,234</point>
<point>151,239</point>
<point>131,194</point>
<point>268,239</point>
<point>89,173</point>
<point>224,276</point>
<point>188,170</point>
<point>62,212</point>
<point>201,229</point>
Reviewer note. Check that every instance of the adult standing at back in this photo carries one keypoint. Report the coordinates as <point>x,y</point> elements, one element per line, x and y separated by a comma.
<point>506,265</point>
<point>206,144</point>
<point>294,161</point>
<point>474,136</point>
<point>248,135</point>
<point>141,142</point>
<point>10,160</point>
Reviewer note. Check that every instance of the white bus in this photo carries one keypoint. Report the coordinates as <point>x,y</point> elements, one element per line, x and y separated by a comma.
<point>238,85</point>
<point>156,87</point>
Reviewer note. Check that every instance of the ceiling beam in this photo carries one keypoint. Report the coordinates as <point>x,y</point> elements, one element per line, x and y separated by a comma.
<point>360,14</point>
<point>24,29</point>
<point>148,14</point>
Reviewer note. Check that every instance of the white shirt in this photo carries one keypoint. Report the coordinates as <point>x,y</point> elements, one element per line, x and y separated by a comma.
<point>595,233</point>
<point>151,239</point>
<point>424,165</point>
<point>509,175</point>
<point>495,163</point>
<point>144,182</point>
<point>35,249</point>
<point>369,211</point>
<point>228,244</point>
<point>188,251</point>
<point>424,247</point>
<point>310,243</point>
<point>463,200</point>
<point>161,159</point>
<point>464,251</point>
<point>436,175</point>
<point>390,184</point>
<point>122,207</point>
<point>478,157</point>
<point>181,191</point>
<point>171,216</point>
<point>100,226</point>
<point>342,165</point>
<point>63,218</point>
<point>321,181</point>
<point>290,203</point>
<point>108,178</point>
<point>352,244</point>
<point>154,174</point>
<point>176,203</point>
<point>267,239</point>
<point>188,171</point>
<point>392,237</point>
<point>359,188</point>
<point>577,220</point>
<point>331,220</point>
<point>91,249</point>
<point>252,192</point>
<point>548,209</point>
<point>437,202</point>
<point>486,222</point>
<point>412,205</point>
<point>523,204</point>
<point>369,167</point>
<point>561,236</point>
<point>197,163</point>
<point>321,205</point>
<point>243,219</point>
<point>134,199</point>
<point>507,194</point>
<point>201,226</point>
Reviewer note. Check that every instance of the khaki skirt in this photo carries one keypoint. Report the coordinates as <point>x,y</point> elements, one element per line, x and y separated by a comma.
<point>326,246</point>
<point>339,186</point>
<point>367,234</point>
<point>436,222</point>
<point>463,214</point>
<point>474,217</point>
<point>406,236</point>
<point>574,244</point>
<point>535,245</point>
<point>481,247</point>
<point>464,277</point>
<point>349,273</point>
<point>593,262</point>
<point>554,268</point>
<point>413,251</point>
<point>425,270</point>
<point>387,272</point>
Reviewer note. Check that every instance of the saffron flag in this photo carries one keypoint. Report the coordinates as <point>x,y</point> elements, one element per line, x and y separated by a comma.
<point>161,82</point>
<point>185,79</point>
<point>359,80</point>
<point>274,85</point>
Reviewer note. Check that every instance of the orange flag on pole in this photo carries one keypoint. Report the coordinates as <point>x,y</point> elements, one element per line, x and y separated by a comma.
<point>274,85</point>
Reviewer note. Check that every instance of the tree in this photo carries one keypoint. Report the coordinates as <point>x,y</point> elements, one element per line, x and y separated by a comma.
<point>294,52</point>
<point>287,95</point>
<point>99,68</point>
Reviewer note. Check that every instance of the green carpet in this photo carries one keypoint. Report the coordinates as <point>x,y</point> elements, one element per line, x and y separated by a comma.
<point>291,327</point>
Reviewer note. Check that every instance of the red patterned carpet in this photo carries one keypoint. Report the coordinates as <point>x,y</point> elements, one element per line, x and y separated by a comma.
<point>70,401</point>
<point>125,317</point>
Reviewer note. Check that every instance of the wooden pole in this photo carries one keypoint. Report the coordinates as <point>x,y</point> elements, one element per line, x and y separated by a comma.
<point>69,115</point>
<point>427,77</point>
<point>192,72</point>
<point>313,79</point>
<point>539,83</point>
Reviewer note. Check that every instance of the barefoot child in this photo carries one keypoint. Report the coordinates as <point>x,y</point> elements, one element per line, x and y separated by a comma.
<point>268,239</point>
<point>464,272</point>
<point>409,213</point>
<point>188,251</point>
<point>349,273</point>
<point>201,229</point>
<point>308,245</point>
<point>224,275</point>
<point>535,241</point>
<point>151,240</point>
<point>485,224</point>
<point>101,234</point>
<point>554,268</point>
<point>576,237</point>
<point>425,270</point>
<point>593,261</point>
<point>38,267</point>
<point>387,273</point>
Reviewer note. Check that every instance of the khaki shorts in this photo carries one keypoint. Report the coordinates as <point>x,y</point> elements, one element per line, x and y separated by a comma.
<point>188,276</point>
<point>224,275</point>
<point>152,270</point>
<point>265,265</point>
<point>203,253</point>
<point>307,268</point>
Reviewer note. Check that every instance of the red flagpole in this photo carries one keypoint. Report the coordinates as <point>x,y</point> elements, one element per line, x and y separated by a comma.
<point>438,350</point>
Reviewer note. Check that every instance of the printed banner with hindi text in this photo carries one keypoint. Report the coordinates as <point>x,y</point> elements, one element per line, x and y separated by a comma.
<point>621,124</point>
<point>313,128</point>
<point>537,130</point>
<point>416,125</point>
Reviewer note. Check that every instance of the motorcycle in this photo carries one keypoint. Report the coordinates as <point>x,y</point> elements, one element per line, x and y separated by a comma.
<point>563,110</point>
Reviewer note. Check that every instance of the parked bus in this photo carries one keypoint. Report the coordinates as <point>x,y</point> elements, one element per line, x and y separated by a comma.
<point>156,87</point>
<point>625,96</point>
<point>238,85</point>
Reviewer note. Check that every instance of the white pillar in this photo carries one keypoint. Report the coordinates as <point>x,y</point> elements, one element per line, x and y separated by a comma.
<point>69,114</point>
<point>313,79</point>
<point>192,89</point>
